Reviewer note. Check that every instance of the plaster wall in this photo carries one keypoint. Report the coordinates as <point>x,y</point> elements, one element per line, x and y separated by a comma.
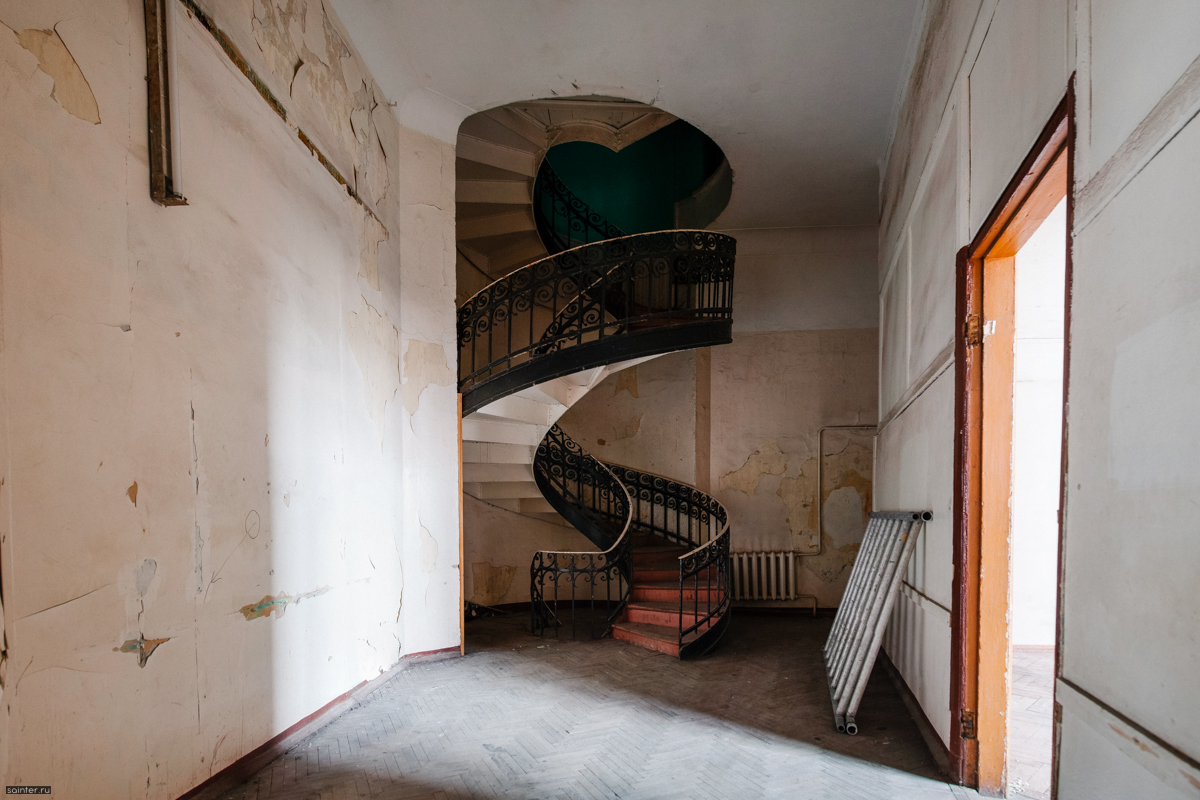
<point>229,461</point>
<point>801,358</point>
<point>987,77</point>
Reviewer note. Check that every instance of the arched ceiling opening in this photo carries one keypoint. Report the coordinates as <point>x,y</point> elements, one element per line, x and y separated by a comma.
<point>800,95</point>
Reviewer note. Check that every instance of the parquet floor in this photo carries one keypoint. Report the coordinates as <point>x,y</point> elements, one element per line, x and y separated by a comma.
<point>522,717</point>
<point>1031,732</point>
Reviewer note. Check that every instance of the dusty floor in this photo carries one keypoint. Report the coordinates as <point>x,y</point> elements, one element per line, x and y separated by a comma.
<point>1032,729</point>
<point>523,717</point>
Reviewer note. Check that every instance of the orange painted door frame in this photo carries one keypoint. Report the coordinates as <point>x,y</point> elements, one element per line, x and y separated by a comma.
<point>983,379</point>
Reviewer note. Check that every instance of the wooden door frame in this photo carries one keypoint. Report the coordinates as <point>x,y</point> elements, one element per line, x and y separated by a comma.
<point>1026,201</point>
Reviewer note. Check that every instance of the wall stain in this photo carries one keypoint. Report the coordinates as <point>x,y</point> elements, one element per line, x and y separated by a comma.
<point>424,365</point>
<point>277,604</point>
<point>768,459</point>
<point>71,89</point>
<point>142,647</point>
<point>132,492</point>
<point>799,498</point>
<point>626,381</point>
<point>489,584</point>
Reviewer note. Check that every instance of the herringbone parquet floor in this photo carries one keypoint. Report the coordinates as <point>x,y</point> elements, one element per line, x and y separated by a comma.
<point>522,717</point>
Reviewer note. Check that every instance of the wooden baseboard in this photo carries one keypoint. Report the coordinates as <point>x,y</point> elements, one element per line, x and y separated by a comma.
<point>245,767</point>
<point>937,748</point>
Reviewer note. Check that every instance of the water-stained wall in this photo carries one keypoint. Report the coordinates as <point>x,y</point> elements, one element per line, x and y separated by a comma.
<point>228,472</point>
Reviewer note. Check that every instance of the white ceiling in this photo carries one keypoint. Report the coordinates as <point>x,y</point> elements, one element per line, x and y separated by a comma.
<point>800,94</point>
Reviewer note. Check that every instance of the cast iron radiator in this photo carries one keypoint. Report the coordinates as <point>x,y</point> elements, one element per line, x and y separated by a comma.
<point>866,607</point>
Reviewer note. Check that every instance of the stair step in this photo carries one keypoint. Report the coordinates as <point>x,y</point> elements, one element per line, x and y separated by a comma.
<point>491,473</point>
<point>500,490</point>
<point>669,591</point>
<point>513,159</point>
<point>481,191</point>
<point>663,638</point>
<point>497,453</point>
<point>496,224</point>
<point>658,612</point>
<point>653,574</point>
<point>481,430</point>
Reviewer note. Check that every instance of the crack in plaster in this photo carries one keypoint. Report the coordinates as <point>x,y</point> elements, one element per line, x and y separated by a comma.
<point>63,603</point>
<point>767,459</point>
<point>375,343</point>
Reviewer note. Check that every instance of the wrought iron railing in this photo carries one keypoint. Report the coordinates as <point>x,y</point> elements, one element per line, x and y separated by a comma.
<point>684,515</point>
<point>565,587</point>
<point>594,305</point>
<point>610,503</point>
<point>563,219</point>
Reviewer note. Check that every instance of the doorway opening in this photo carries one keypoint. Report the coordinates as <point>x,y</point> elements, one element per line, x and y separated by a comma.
<point>1012,349</point>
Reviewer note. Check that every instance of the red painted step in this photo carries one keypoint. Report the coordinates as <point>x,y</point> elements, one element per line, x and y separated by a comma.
<point>663,638</point>
<point>659,612</point>
<point>669,590</point>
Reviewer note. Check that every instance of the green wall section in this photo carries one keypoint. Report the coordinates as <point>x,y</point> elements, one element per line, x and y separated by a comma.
<point>637,188</point>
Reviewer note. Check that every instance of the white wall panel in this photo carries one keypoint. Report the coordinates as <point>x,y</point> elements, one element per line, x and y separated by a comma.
<point>1132,623</point>
<point>934,245</point>
<point>1137,51</point>
<point>1018,79</point>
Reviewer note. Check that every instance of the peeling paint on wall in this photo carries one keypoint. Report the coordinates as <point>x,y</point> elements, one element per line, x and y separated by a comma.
<point>370,234</point>
<point>304,50</point>
<point>376,346</point>
<point>277,604</point>
<point>142,647</point>
<point>768,459</point>
<point>429,550</point>
<point>424,365</point>
<point>71,89</point>
<point>799,497</point>
<point>489,584</point>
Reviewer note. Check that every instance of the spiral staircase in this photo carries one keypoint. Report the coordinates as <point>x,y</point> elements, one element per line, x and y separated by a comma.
<point>535,340</point>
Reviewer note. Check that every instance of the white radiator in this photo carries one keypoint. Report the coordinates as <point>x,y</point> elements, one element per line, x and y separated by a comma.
<point>767,575</point>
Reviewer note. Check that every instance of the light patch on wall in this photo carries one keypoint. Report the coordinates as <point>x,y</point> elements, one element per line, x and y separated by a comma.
<point>798,497</point>
<point>277,604</point>
<point>143,648</point>
<point>489,584</point>
<point>144,575</point>
<point>376,346</point>
<point>71,89</point>
<point>768,459</point>
<point>429,550</point>
<point>370,234</point>
<point>1154,436</point>
<point>424,365</point>
<point>627,429</point>
<point>626,381</point>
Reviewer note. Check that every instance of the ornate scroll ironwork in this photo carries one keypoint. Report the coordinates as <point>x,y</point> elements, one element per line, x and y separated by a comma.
<point>593,305</point>
<point>610,503</point>
<point>563,219</point>
<point>576,585</point>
